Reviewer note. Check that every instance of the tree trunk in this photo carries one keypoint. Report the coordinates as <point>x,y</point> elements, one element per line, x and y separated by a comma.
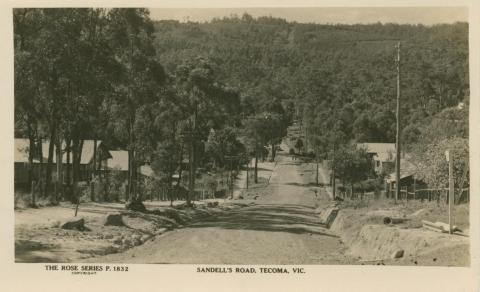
<point>132,169</point>
<point>255,172</point>
<point>170,188</point>
<point>333,174</point>
<point>94,170</point>
<point>68,179</point>
<point>94,166</point>
<point>59,158</point>
<point>40,169</point>
<point>73,190</point>
<point>31,154</point>
<point>191,176</point>
<point>191,158</point>
<point>274,152</point>
<point>77,156</point>
<point>48,174</point>
<point>180,171</point>
<point>30,160</point>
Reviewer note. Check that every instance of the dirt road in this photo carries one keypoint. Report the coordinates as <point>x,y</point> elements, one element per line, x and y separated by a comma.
<point>281,228</point>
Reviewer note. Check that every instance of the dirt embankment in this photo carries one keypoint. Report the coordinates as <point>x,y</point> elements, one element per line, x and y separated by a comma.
<point>368,239</point>
<point>40,238</point>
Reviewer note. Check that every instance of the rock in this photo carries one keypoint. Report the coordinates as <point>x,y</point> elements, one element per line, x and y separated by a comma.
<point>114,219</point>
<point>126,242</point>
<point>212,204</point>
<point>55,224</point>
<point>237,196</point>
<point>135,237</point>
<point>136,205</point>
<point>111,249</point>
<point>117,240</point>
<point>75,223</point>
<point>398,254</point>
<point>145,238</point>
<point>160,231</point>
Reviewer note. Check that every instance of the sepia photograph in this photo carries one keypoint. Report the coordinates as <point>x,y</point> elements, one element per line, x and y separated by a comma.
<point>242,136</point>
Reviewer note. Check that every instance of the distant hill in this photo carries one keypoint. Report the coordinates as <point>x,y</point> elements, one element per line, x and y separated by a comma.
<point>319,68</point>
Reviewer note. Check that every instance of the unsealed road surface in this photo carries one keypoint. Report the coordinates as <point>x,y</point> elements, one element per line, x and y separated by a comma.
<point>282,228</point>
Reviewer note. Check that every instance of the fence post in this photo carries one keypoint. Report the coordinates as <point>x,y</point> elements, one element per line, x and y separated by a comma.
<point>451,194</point>
<point>92,191</point>
<point>414,189</point>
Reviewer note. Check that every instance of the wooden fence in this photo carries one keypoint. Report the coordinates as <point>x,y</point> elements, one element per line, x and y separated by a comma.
<point>439,195</point>
<point>180,194</point>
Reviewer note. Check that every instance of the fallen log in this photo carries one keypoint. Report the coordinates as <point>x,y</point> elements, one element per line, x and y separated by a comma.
<point>431,228</point>
<point>439,226</point>
<point>390,220</point>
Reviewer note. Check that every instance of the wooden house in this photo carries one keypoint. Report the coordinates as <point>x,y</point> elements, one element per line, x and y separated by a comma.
<point>382,155</point>
<point>409,181</point>
<point>90,154</point>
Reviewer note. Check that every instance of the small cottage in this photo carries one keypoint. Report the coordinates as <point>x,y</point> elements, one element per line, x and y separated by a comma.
<point>382,155</point>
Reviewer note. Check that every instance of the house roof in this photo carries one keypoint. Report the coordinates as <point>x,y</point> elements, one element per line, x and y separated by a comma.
<point>377,147</point>
<point>384,152</point>
<point>87,151</point>
<point>22,146</point>
<point>407,169</point>
<point>119,160</point>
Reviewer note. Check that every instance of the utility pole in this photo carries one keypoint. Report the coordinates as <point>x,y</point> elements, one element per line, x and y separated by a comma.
<point>451,190</point>
<point>333,173</point>
<point>397,140</point>
<point>248,166</point>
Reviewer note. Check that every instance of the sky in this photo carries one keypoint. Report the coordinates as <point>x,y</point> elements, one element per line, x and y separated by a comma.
<point>330,15</point>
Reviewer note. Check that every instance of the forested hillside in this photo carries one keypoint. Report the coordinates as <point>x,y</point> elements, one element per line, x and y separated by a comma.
<point>216,94</point>
<point>332,73</point>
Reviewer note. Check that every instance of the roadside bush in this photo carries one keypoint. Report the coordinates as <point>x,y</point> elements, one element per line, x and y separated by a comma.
<point>369,185</point>
<point>116,186</point>
<point>149,187</point>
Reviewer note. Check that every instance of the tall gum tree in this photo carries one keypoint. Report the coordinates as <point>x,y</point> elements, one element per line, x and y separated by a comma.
<point>131,37</point>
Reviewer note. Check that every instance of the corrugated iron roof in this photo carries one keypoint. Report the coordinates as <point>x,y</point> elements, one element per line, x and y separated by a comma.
<point>407,169</point>
<point>377,147</point>
<point>22,146</point>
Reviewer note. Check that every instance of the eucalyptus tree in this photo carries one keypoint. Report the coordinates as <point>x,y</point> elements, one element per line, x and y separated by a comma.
<point>130,34</point>
<point>207,104</point>
<point>27,114</point>
<point>257,135</point>
<point>163,128</point>
<point>63,69</point>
